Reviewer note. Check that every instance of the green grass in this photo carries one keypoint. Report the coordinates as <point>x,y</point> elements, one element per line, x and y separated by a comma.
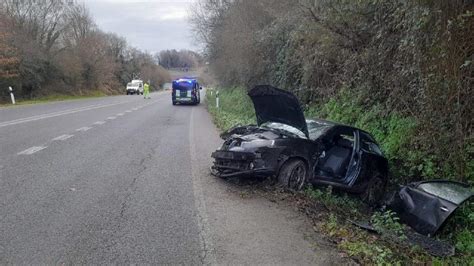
<point>235,108</point>
<point>55,98</point>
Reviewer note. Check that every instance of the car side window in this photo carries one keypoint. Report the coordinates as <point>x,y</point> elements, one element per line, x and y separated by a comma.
<point>369,145</point>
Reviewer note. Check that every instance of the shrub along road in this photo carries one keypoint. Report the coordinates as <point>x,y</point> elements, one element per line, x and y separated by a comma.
<point>126,180</point>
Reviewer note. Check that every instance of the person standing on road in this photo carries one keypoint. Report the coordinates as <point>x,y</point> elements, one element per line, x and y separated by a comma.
<point>146,91</point>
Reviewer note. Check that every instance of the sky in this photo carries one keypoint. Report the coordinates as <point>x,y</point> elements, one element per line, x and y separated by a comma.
<point>150,25</point>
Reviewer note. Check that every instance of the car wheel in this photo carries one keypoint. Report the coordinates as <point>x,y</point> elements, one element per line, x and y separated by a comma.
<point>174,103</point>
<point>293,174</point>
<point>374,191</point>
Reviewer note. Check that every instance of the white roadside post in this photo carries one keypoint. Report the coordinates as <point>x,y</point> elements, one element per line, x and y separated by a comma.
<point>11,95</point>
<point>217,99</point>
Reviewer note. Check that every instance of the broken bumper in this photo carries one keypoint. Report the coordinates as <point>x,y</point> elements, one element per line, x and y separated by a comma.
<point>232,163</point>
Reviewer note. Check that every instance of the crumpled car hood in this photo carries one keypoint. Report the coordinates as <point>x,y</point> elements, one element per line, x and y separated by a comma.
<point>275,105</point>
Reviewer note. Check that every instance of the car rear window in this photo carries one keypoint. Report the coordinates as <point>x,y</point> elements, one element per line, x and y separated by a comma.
<point>182,86</point>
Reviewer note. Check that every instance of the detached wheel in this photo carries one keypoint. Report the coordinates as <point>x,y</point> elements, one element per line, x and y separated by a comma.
<point>374,192</point>
<point>293,174</point>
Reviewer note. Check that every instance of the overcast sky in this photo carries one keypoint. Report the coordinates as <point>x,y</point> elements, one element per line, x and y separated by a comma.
<point>150,25</point>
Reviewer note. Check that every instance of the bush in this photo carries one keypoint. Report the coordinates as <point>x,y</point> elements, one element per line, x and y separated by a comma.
<point>398,136</point>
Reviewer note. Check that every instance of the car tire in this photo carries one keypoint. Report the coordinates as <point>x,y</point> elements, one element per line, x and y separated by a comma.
<point>174,103</point>
<point>293,174</point>
<point>374,191</point>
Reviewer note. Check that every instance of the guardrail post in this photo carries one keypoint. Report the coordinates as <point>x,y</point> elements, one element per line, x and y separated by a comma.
<point>11,95</point>
<point>217,99</point>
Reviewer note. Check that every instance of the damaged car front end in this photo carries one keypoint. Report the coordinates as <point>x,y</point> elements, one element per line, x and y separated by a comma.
<point>247,150</point>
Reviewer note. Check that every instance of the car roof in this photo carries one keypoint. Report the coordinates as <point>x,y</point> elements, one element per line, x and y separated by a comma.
<point>336,124</point>
<point>185,79</point>
<point>331,123</point>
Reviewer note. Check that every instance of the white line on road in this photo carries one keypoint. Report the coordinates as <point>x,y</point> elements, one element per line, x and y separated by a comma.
<point>120,114</point>
<point>135,108</point>
<point>32,150</point>
<point>54,114</point>
<point>99,123</point>
<point>111,117</point>
<point>63,137</point>
<point>128,111</point>
<point>83,129</point>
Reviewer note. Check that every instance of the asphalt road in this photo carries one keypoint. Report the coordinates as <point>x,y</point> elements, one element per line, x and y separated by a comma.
<point>125,180</point>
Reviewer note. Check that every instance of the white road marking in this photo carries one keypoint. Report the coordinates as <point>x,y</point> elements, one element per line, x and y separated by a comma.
<point>83,129</point>
<point>54,114</point>
<point>128,111</point>
<point>111,117</point>
<point>32,150</point>
<point>120,114</point>
<point>99,123</point>
<point>135,108</point>
<point>63,137</point>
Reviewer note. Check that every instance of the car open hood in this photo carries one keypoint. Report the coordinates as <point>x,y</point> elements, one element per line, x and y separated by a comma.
<point>275,105</point>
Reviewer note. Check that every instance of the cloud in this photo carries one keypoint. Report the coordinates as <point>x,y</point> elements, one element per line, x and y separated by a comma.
<point>148,25</point>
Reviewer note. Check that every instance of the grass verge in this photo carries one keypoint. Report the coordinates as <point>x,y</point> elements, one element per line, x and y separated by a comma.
<point>332,212</point>
<point>55,98</point>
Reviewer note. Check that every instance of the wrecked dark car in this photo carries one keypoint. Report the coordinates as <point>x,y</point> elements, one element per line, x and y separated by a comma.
<point>297,151</point>
<point>426,206</point>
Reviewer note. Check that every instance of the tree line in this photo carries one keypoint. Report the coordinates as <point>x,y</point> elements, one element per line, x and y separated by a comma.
<point>184,59</point>
<point>400,69</point>
<point>53,46</point>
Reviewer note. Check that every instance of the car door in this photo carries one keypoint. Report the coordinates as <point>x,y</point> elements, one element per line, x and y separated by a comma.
<point>354,167</point>
<point>339,161</point>
<point>426,206</point>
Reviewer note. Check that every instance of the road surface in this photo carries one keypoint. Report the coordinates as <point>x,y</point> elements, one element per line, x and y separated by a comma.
<point>125,180</point>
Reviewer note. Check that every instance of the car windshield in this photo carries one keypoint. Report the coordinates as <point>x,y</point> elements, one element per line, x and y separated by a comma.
<point>316,128</point>
<point>284,127</point>
<point>454,192</point>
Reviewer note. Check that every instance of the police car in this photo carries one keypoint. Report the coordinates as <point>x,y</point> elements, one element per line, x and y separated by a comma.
<point>186,90</point>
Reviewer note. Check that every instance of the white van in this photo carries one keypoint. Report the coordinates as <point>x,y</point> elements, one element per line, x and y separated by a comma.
<point>135,87</point>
